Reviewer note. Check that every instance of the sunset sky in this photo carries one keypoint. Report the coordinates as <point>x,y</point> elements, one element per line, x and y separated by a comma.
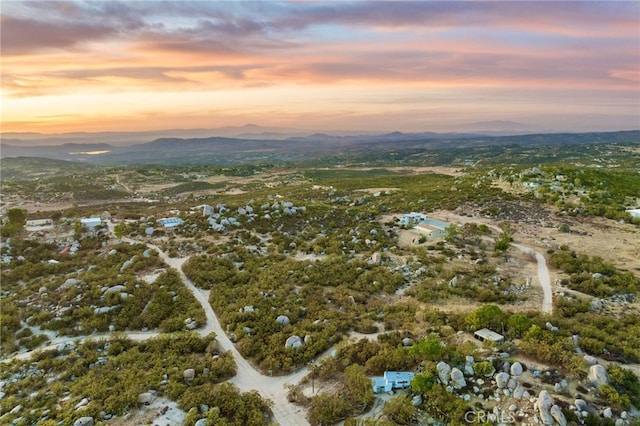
<point>408,66</point>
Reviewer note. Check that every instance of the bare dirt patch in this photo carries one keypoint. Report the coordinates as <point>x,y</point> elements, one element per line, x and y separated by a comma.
<point>617,243</point>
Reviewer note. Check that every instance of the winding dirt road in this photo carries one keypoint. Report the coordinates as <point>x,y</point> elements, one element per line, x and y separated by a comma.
<point>248,377</point>
<point>543,278</point>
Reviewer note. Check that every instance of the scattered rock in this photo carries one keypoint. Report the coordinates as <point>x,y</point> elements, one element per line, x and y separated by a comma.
<point>84,421</point>
<point>551,327</point>
<point>558,415</point>
<point>71,282</point>
<point>416,401</point>
<point>283,320</point>
<point>516,369</point>
<point>453,282</point>
<point>518,392</point>
<point>444,370</point>
<point>598,375</point>
<point>293,342</point>
<point>457,379</point>
<point>502,379</point>
<point>543,405</point>
<point>591,360</point>
<point>145,398</point>
<point>468,365</point>
<point>83,402</point>
<point>189,374</point>
<point>607,413</point>
<point>580,404</point>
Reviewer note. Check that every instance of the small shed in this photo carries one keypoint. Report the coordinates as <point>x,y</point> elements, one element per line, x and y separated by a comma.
<point>171,222</point>
<point>39,222</point>
<point>485,334</point>
<point>91,222</point>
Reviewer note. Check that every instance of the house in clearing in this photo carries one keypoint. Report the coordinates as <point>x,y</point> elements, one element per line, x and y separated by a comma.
<point>424,224</point>
<point>392,380</point>
<point>485,334</point>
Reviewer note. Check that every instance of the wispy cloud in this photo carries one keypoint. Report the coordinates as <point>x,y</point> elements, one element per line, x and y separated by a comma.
<point>52,48</point>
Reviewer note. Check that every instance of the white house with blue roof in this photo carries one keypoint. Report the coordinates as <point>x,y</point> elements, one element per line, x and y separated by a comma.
<point>425,224</point>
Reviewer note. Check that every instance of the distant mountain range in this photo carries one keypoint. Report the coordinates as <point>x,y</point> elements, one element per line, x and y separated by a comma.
<point>248,131</point>
<point>252,149</point>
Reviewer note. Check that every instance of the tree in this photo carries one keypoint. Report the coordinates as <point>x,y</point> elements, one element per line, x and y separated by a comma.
<point>502,242</point>
<point>18,216</point>
<point>423,382</point>
<point>518,324</point>
<point>358,385</point>
<point>453,233</point>
<point>429,348</point>
<point>400,410</point>
<point>16,220</point>
<point>445,406</point>
<point>489,316</point>
<point>327,409</point>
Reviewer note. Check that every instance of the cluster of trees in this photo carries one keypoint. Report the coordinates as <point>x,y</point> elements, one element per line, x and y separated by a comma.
<point>112,374</point>
<point>592,275</point>
<point>36,293</point>
<point>610,336</point>
<point>322,300</point>
<point>476,280</point>
<point>587,191</point>
<point>355,361</point>
<point>16,219</point>
<point>224,405</point>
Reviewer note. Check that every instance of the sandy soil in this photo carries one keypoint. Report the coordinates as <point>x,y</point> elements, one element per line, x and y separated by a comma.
<point>618,243</point>
<point>161,412</point>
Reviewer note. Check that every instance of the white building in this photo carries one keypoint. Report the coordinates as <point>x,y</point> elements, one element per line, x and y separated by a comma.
<point>90,222</point>
<point>486,334</point>
<point>392,380</point>
<point>171,222</point>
